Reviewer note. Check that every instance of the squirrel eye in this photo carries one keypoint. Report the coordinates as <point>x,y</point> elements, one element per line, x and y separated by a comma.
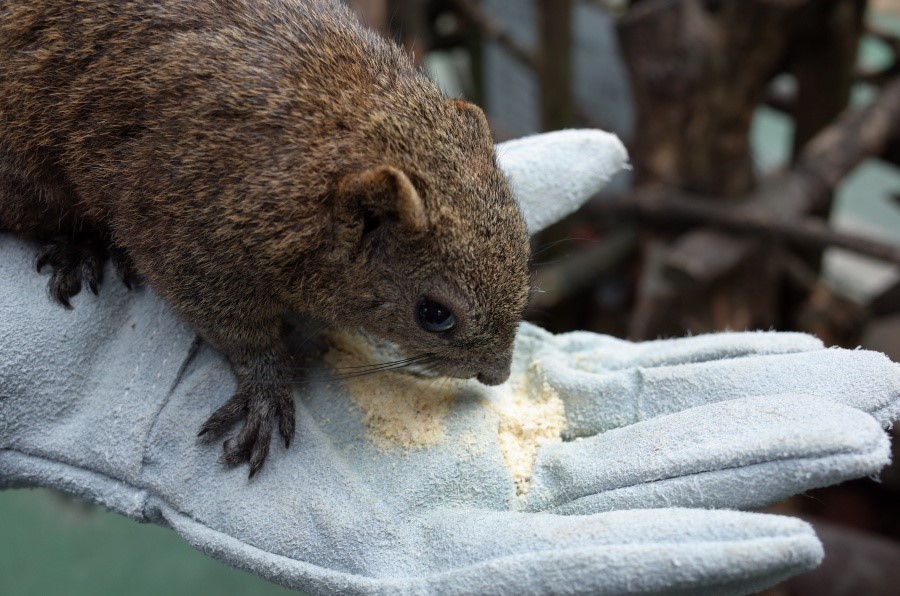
<point>434,317</point>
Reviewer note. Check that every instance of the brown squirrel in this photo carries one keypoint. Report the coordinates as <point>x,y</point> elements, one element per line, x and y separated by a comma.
<point>251,159</point>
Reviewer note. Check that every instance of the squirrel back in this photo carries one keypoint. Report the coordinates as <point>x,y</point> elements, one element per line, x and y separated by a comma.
<point>264,157</point>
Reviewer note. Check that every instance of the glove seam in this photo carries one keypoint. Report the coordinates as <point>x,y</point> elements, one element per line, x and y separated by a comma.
<point>193,350</point>
<point>142,494</point>
<point>406,582</point>
<point>874,450</point>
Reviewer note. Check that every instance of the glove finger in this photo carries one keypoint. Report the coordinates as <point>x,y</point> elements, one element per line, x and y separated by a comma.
<point>598,353</point>
<point>739,453</point>
<point>865,380</point>
<point>476,552</point>
<point>650,551</point>
<point>553,174</point>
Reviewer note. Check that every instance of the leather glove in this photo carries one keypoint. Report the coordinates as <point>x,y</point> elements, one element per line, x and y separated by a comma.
<point>591,471</point>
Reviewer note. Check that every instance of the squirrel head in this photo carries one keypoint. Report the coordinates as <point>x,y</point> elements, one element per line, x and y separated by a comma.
<point>436,251</point>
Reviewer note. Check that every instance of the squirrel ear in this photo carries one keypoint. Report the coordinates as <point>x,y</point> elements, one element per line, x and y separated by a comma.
<point>474,114</point>
<point>383,192</point>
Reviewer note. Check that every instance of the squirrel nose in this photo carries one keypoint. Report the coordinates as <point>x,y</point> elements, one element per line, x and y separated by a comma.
<point>496,374</point>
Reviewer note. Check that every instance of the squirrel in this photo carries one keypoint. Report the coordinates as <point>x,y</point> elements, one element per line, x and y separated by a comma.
<point>254,159</point>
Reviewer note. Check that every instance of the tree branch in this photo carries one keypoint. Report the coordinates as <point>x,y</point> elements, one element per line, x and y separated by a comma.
<point>788,198</point>
<point>562,279</point>
<point>891,39</point>
<point>856,135</point>
<point>665,207</point>
<point>473,12</point>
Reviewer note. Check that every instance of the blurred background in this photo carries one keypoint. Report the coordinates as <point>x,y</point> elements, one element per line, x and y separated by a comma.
<point>765,194</point>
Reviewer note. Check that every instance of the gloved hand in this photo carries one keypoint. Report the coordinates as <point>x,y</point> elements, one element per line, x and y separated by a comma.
<point>401,484</point>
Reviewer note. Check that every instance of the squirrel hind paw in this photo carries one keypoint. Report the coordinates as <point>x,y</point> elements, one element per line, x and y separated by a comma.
<point>261,407</point>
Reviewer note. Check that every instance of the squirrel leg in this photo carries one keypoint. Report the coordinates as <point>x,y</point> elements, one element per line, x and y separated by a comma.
<point>46,210</point>
<point>263,399</point>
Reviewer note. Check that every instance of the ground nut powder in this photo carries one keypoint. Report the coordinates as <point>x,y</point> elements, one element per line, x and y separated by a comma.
<point>531,414</point>
<point>405,411</point>
<point>399,410</point>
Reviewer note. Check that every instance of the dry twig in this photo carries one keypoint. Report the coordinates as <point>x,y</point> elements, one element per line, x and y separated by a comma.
<point>472,11</point>
<point>787,199</point>
<point>666,207</point>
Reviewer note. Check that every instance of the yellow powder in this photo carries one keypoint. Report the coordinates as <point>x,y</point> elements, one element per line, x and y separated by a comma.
<point>403,410</point>
<point>473,444</point>
<point>399,409</point>
<point>531,414</point>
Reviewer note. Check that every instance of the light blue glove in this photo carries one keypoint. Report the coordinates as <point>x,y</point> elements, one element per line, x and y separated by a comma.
<point>398,484</point>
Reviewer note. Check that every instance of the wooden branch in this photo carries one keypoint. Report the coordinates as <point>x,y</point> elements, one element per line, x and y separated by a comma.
<point>822,57</point>
<point>792,196</point>
<point>886,303</point>
<point>473,12</point>
<point>668,208</point>
<point>656,296</point>
<point>856,136</point>
<point>698,71</point>
<point>555,72</point>
<point>785,101</point>
<point>564,278</point>
<point>696,75</point>
<point>722,254</point>
<point>891,39</point>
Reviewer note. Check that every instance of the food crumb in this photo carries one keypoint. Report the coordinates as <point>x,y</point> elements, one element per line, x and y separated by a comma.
<point>399,410</point>
<point>531,414</point>
<point>406,411</point>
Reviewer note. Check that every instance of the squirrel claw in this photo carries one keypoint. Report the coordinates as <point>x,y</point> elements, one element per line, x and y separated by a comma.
<point>73,263</point>
<point>261,407</point>
<point>76,263</point>
<point>223,418</point>
<point>124,267</point>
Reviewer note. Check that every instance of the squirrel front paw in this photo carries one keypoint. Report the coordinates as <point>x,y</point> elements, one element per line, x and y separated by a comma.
<point>80,261</point>
<point>73,262</point>
<point>261,406</point>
